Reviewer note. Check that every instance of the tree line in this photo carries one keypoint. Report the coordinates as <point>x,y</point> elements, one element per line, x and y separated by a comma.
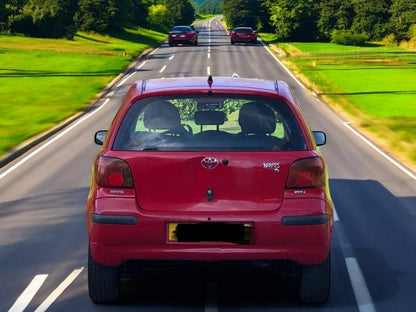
<point>300,20</point>
<point>63,18</point>
<point>322,20</point>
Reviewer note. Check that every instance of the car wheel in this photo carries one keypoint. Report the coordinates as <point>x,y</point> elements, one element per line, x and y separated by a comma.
<point>103,281</point>
<point>232,42</point>
<point>315,282</point>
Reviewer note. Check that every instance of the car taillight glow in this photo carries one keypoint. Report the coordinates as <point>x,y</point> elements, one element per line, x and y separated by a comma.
<point>113,172</point>
<point>306,173</point>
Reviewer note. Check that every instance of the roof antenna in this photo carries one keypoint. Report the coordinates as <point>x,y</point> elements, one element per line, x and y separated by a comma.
<point>210,81</point>
<point>210,84</point>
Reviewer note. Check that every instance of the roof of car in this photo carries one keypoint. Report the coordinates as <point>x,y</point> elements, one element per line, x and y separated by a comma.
<point>230,85</point>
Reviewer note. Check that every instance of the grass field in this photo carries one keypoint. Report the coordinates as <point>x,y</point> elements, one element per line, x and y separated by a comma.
<point>374,86</point>
<point>44,81</point>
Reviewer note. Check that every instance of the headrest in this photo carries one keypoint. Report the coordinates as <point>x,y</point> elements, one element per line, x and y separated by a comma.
<point>209,117</point>
<point>161,115</point>
<point>256,118</point>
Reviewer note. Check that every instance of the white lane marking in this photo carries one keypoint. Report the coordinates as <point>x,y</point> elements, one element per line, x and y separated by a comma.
<point>141,65</point>
<point>362,295</point>
<point>59,290</point>
<point>163,69</point>
<point>56,138</point>
<point>283,66</point>
<point>390,159</point>
<point>24,299</point>
<point>171,58</point>
<point>208,70</point>
<point>211,298</point>
<point>336,218</point>
<point>124,80</point>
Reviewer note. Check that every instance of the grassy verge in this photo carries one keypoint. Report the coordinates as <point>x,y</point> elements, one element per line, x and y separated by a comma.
<point>43,81</point>
<point>374,87</point>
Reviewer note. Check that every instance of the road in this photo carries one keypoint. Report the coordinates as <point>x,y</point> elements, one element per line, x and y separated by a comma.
<point>43,239</point>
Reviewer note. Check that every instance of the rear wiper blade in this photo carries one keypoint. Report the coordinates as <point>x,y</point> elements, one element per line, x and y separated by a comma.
<point>149,149</point>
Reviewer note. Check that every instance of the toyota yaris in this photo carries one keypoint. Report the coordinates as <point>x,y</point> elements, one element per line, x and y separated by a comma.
<point>217,170</point>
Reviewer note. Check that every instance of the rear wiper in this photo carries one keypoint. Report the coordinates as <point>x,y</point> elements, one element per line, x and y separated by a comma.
<point>149,149</point>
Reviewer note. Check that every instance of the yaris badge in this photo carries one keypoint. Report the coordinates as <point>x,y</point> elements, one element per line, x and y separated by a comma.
<point>209,163</point>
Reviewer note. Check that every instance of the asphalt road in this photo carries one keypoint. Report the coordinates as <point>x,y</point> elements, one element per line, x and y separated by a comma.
<point>43,239</point>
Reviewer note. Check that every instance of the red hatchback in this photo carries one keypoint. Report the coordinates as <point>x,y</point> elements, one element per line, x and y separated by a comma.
<point>243,34</point>
<point>219,170</point>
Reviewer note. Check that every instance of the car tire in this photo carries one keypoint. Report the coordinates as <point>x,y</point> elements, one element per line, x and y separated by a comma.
<point>315,282</point>
<point>232,42</point>
<point>103,281</point>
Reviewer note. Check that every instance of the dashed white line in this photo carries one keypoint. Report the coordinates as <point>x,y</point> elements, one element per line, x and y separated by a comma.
<point>359,286</point>
<point>163,69</point>
<point>23,301</point>
<point>141,65</point>
<point>211,298</point>
<point>124,80</point>
<point>59,290</point>
<point>208,70</point>
<point>374,147</point>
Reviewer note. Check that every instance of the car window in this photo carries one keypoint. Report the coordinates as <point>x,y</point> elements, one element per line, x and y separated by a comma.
<point>232,123</point>
<point>181,28</point>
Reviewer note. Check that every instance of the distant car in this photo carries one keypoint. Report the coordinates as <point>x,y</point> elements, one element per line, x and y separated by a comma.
<point>243,34</point>
<point>183,35</point>
<point>214,171</point>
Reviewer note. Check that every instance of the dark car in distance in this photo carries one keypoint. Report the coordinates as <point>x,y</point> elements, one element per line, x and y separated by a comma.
<point>243,35</point>
<point>223,170</point>
<point>183,35</point>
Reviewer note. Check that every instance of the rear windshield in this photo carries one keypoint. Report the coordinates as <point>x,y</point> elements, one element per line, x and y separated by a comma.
<point>201,122</point>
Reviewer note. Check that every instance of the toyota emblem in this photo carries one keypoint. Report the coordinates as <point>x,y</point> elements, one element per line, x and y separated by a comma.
<point>209,163</point>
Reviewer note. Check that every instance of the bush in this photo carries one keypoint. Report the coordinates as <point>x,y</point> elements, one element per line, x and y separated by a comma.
<point>347,37</point>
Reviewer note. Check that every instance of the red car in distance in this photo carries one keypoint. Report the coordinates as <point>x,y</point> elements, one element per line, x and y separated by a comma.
<point>183,35</point>
<point>243,34</point>
<point>214,171</point>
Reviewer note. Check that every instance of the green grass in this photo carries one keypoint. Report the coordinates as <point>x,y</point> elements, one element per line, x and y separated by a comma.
<point>374,85</point>
<point>44,81</point>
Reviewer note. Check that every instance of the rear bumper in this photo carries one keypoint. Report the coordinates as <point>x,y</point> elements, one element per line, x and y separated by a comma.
<point>121,232</point>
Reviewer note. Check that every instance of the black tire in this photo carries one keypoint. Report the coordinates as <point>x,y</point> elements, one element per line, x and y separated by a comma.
<point>103,282</point>
<point>315,281</point>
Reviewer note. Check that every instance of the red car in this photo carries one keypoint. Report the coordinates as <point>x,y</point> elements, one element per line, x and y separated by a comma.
<point>183,35</point>
<point>219,170</point>
<point>243,34</point>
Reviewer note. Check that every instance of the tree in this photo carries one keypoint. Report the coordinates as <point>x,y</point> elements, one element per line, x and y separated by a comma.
<point>334,15</point>
<point>181,12</point>
<point>241,13</point>
<point>46,18</point>
<point>403,16</point>
<point>371,17</point>
<point>210,7</point>
<point>294,19</point>
<point>96,15</point>
<point>158,15</point>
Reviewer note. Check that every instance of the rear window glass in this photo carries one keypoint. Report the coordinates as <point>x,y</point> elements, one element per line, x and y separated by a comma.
<point>201,122</point>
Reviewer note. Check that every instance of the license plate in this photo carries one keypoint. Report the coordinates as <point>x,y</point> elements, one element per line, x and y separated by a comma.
<point>238,233</point>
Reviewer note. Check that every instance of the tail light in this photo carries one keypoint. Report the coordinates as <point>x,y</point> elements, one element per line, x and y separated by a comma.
<point>306,173</point>
<point>112,172</point>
